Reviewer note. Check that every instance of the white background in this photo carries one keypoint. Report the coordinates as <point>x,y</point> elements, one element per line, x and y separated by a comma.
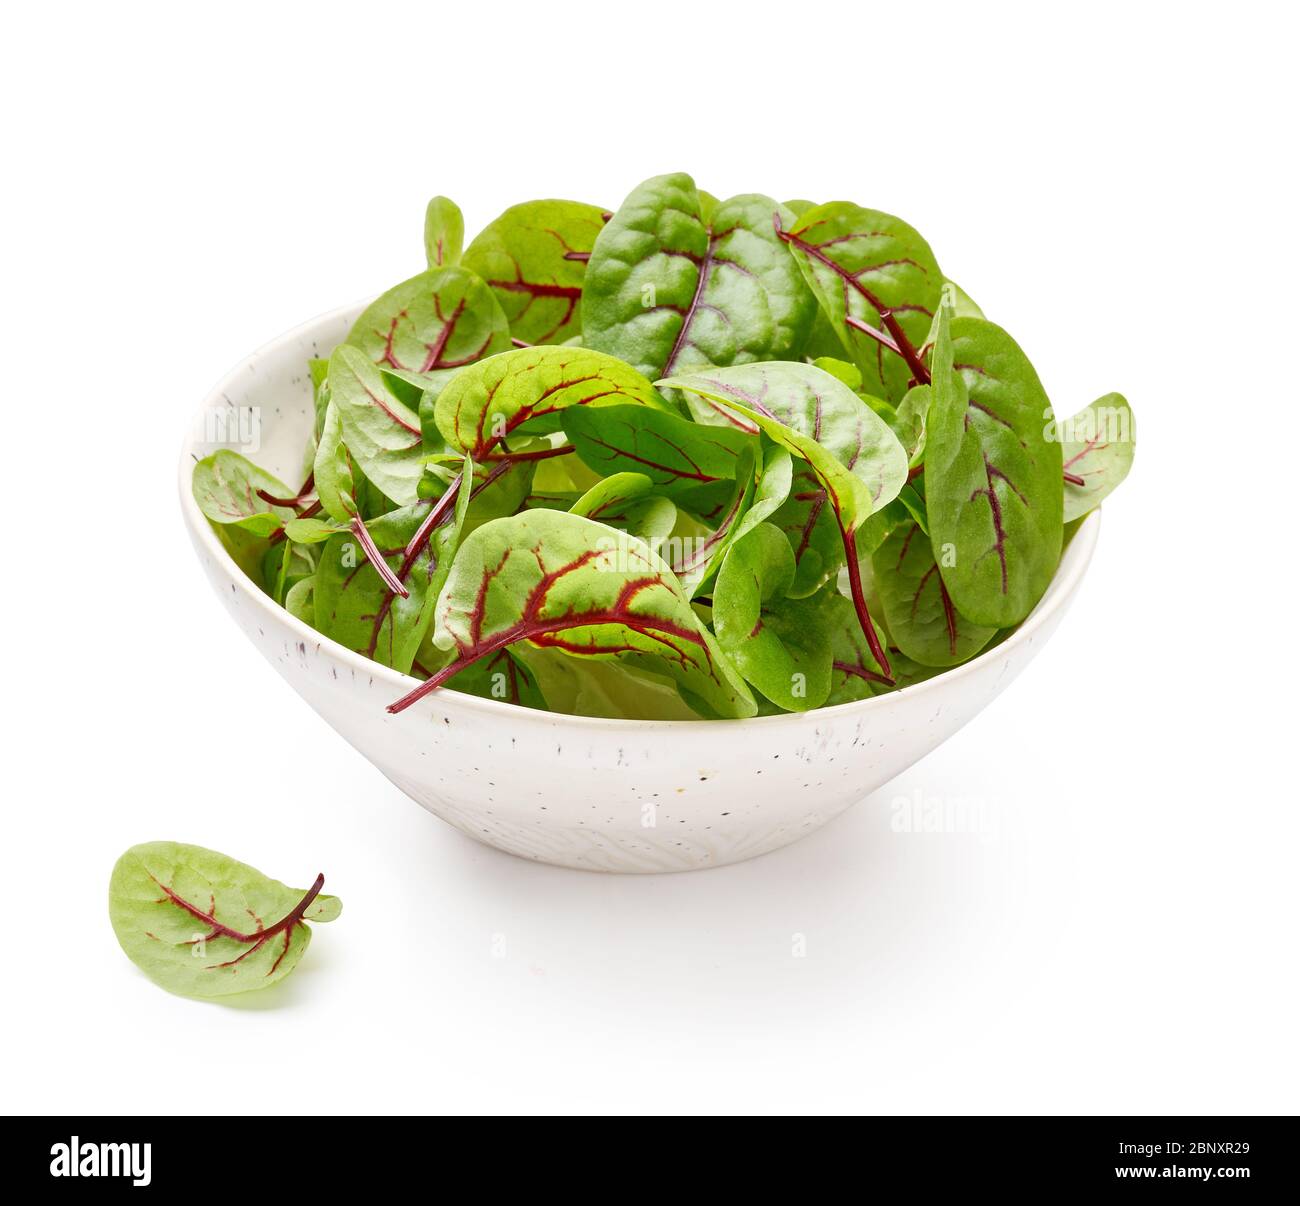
<point>1116,187</point>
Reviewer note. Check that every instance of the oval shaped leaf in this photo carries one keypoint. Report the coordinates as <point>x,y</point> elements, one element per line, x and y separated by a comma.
<point>444,232</point>
<point>919,613</point>
<point>232,490</point>
<point>381,433</point>
<point>1097,445</point>
<point>481,406</point>
<point>780,645</point>
<point>204,925</point>
<point>877,281</point>
<point>534,258</point>
<point>670,289</point>
<point>628,501</point>
<point>443,318</point>
<point>993,482</point>
<point>675,454</point>
<point>560,581</point>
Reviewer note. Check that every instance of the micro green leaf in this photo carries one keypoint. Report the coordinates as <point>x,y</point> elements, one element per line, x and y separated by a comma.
<point>444,318</point>
<point>782,646</point>
<point>231,490</point>
<point>484,405</point>
<point>670,289</point>
<point>201,924</point>
<point>1097,445</point>
<point>919,613</point>
<point>562,581</point>
<point>444,232</point>
<point>534,258</point>
<point>993,484</point>
<point>675,454</point>
<point>356,605</point>
<point>380,433</point>
<point>628,501</point>
<point>877,281</point>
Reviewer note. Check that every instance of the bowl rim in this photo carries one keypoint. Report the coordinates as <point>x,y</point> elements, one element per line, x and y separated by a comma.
<point>1075,559</point>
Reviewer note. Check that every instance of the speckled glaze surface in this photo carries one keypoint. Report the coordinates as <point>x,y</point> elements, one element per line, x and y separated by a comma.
<point>600,795</point>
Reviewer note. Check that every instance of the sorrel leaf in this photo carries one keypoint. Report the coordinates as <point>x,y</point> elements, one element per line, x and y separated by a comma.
<point>444,232</point>
<point>780,645</point>
<point>534,257</point>
<point>993,482</point>
<point>870,270</point>
<point>628,501</point>
<point>561,581</point>
<point>815,416</point>
<point>381,434</point>
<point>484,405</point>
<point>333,471</point>
<point>444,318</point>
<point>677,455</point>
<point>357,607</point>
<point>855,673</point>
<point>201,924</point>
<point>919,613</point>
<point>231,490</point>
<point>670,289</point>
<point>1097,445</point>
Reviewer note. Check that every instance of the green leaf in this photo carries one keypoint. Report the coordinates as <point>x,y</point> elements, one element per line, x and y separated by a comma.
<point>1097,445</point>
<point>444,318</point>
<point>561,581</point>
<point>229,490</point>
<point>489,402</point>
<point>781,645</point>
<point>310,530</point>
<point>669,289</point>
<point>534,258</point>
<point>201,924</point>
<point>381,434</point>
<point>299,601</point>
<point>444,232</point>
<point>856,457</point>
<point>677,455</point>
<point>628,501</point>
<point>332,470</point>
<point>353,604</point>
<point>750,504</point>
<point>855,673</point>
<point>920,615</point>
<point>868,268</point>
<point>993,480</point>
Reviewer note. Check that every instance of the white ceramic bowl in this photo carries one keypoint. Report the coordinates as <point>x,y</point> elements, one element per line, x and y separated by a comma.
<point>602,795</point>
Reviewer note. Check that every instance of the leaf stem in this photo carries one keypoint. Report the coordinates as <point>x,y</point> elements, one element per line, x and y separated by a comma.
<point>1073,478</point>
<point>860,602</point>
<point>376,558</point>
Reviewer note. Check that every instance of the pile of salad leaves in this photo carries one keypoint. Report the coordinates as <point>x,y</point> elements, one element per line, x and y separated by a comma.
<point>692,458</point>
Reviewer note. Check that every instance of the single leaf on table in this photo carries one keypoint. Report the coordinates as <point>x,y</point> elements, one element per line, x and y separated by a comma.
<point>780,645</point>
<point>355,606</point>
<point>870,272</point>
<point>670,289</point>
<point>1097,444</point>
<point>491,401</point>
<point>561,581</point>
<point>921,617</point>
<point>231,490</point>
<point>676,454</point>
<point>442,319</point>
<point>993,484</point>
<point>628,501</point>
<point>444,232</point>
<point>380,433</point>
<point>203,925</point>
<point>534,258</point>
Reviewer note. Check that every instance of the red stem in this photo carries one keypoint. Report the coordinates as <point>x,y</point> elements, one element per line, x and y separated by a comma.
<point>1074,479</point>
<point>376,558</point>
<point>860,602</point>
